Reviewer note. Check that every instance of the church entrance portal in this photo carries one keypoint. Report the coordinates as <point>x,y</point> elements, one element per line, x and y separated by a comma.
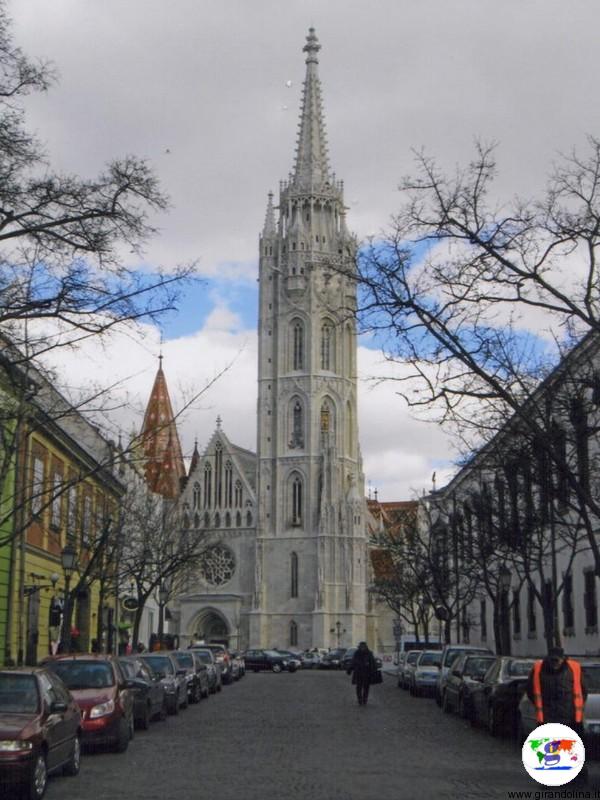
<point>211,628</point>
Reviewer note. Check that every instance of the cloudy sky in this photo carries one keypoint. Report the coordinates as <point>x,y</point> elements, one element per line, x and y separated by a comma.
<point>209,93</point>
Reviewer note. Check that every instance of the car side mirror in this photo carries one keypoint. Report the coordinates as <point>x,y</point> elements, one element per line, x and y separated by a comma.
<point>58,707</point>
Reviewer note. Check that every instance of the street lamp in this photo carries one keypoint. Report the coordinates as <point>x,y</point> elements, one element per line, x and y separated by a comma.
<point>504,581</point>
<point>338,630</point>
<point>68,560</point>
<point>163,596</point>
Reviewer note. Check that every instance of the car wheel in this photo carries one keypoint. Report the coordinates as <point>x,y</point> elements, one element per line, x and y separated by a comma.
<point>123,736</point>
<point>462,707</point>
<point>399,683</point>
<point>164,710</point>
<point>39,778</point>
<point>219,686</point>
<point>73,764</point>
<point>276,667</point>
<point>174,707</point>
<point>438,697</point>
<point>186,702</point>
<point>145,718</point>
<point>416,692</point>
<point>292,668</point>
<point>493,722</point>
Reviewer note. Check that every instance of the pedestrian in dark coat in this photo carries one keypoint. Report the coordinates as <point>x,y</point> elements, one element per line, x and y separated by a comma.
<point>363,667</point>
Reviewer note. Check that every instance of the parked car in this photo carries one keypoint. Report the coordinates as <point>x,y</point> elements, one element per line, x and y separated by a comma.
<point>347,658</point>
<point>423,678</point>
<point>466,671</point>
<point>102,692</point>
<point>526,721</point>
<point>149,699</point>
<point>449,653</point>
<point>40,730</point>
<point>215,682</point>
<point>257,660</point>
<point>291,658</point>
<point>495,701</point>
<point>310,660</point>
<point>172,677</point>
<point>222,658</point>
<point>195,676</point>
<point>333,659</point>
<point>406,668</point>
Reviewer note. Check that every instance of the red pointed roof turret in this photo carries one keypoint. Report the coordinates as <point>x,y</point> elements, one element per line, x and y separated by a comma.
<point>161,448</point>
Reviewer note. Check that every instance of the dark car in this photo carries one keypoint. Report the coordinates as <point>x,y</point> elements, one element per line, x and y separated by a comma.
<point>257,660</point>
<point>40,730</point>
<point>103,694</point>
<point>223,659</point>
<point>213,670</point>
<point>291,659</point>
<point>333,659</point>
<point>196,675</point>
<point>495,701</point>
<point>465,673</point>
<point>172,677</point>
<point>149,700</point>
<point>347,658</point>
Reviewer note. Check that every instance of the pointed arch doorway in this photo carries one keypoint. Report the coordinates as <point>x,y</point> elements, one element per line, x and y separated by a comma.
<point>210,626</point>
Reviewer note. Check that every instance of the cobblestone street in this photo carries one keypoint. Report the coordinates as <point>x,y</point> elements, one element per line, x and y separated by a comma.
<point>303,736</point>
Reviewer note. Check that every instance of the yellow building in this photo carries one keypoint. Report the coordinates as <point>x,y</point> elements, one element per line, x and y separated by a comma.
<point>68,497</point>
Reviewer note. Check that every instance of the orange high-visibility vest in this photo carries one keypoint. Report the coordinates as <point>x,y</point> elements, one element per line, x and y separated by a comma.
<point>575,668</point>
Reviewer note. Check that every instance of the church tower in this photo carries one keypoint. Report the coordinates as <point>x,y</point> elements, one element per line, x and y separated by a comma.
<point>311,553</point>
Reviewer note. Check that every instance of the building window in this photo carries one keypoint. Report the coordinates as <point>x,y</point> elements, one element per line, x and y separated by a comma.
<point>483,619</point>
<point>327,346</point>
<point>218,475</point>
<point>294,575</point>
<point>238,519</point>
<point>325,417</point>
<point>72,513</point>
<point>248,519</point>
<point>516,609</point>
<point>293,634</point>
<point>196,496</point>
<point>207,485</point>
<point>37,486</point>
<point>296,500</point>
<point>55,514</point>
<point>297,345</point>
<point>238,494</point>
<point>86,522</point>
<point>531,615</point>
<point>228,485</point>
<point>297,437</point>
<point>567,603</point>
<point>217,520</point>
<point>228,520</point>
<point>590,601</point>
<point>580,424</point>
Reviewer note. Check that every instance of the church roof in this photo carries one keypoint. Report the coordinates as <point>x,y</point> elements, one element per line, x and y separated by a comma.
<point>312,161</point>
<point>164,467</point>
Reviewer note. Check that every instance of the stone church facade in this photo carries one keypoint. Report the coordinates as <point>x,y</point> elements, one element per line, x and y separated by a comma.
<point>286,560</point>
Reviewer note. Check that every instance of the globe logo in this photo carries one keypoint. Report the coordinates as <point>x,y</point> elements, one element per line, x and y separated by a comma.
<point>553,754</point>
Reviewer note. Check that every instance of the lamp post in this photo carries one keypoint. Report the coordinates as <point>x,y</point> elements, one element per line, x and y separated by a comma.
<point>163,596</point>
<point>68,560</point>
<point>338,630</point>
<point>504,581</point>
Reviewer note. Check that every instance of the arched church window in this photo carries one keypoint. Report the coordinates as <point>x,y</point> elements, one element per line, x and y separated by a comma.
<point>207,520</point>
<point>293,634</point>
<point>327,346</point>
<point>238,494</point>
<point>326,422</point>
<point>294,575</point>
<point>196,495</point>
<point>207,485</point>
<point>248,519</point>
<point>297,437</point>
<point>228,485</point>
<point>186,521</point>
<point>217,520</point>
<point>196,520</point>
<point>218,474</point>
<point>228,520</point>
<point>298,345</point>
<point>349,430</point>
<point>296,500</point>
<point>238,519</point>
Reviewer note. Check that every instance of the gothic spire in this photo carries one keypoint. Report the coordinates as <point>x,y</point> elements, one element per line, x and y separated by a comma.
<point>164,467</point>
<point>270,228</point>
<point>312,164</point>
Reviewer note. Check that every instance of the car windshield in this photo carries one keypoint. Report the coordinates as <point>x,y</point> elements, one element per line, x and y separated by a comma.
<point>273,654</point>
<point>83,674</point>
<point>591,678</point>
<point>430,660</point>
<point>18,694</point>
<point>519,669</point>
<point>476,666</point>
<point>185,659</point>
<point>204,657</point>
<point>411,658</point>
<point>160,664</point>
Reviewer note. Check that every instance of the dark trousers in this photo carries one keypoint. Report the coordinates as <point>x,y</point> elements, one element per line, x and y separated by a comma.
<point>362,688</point>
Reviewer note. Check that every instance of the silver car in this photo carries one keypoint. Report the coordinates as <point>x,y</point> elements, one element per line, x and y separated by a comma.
<point>406,667</point>
<point>449,654</point>
<point>215,681</point>
<point>425,673</point>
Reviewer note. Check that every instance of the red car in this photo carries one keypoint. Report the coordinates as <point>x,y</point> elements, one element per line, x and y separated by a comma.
<point>103,694</point>
<point>40,730</point>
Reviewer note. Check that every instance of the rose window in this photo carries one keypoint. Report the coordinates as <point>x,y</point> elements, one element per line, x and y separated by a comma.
<point>217,565</point>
